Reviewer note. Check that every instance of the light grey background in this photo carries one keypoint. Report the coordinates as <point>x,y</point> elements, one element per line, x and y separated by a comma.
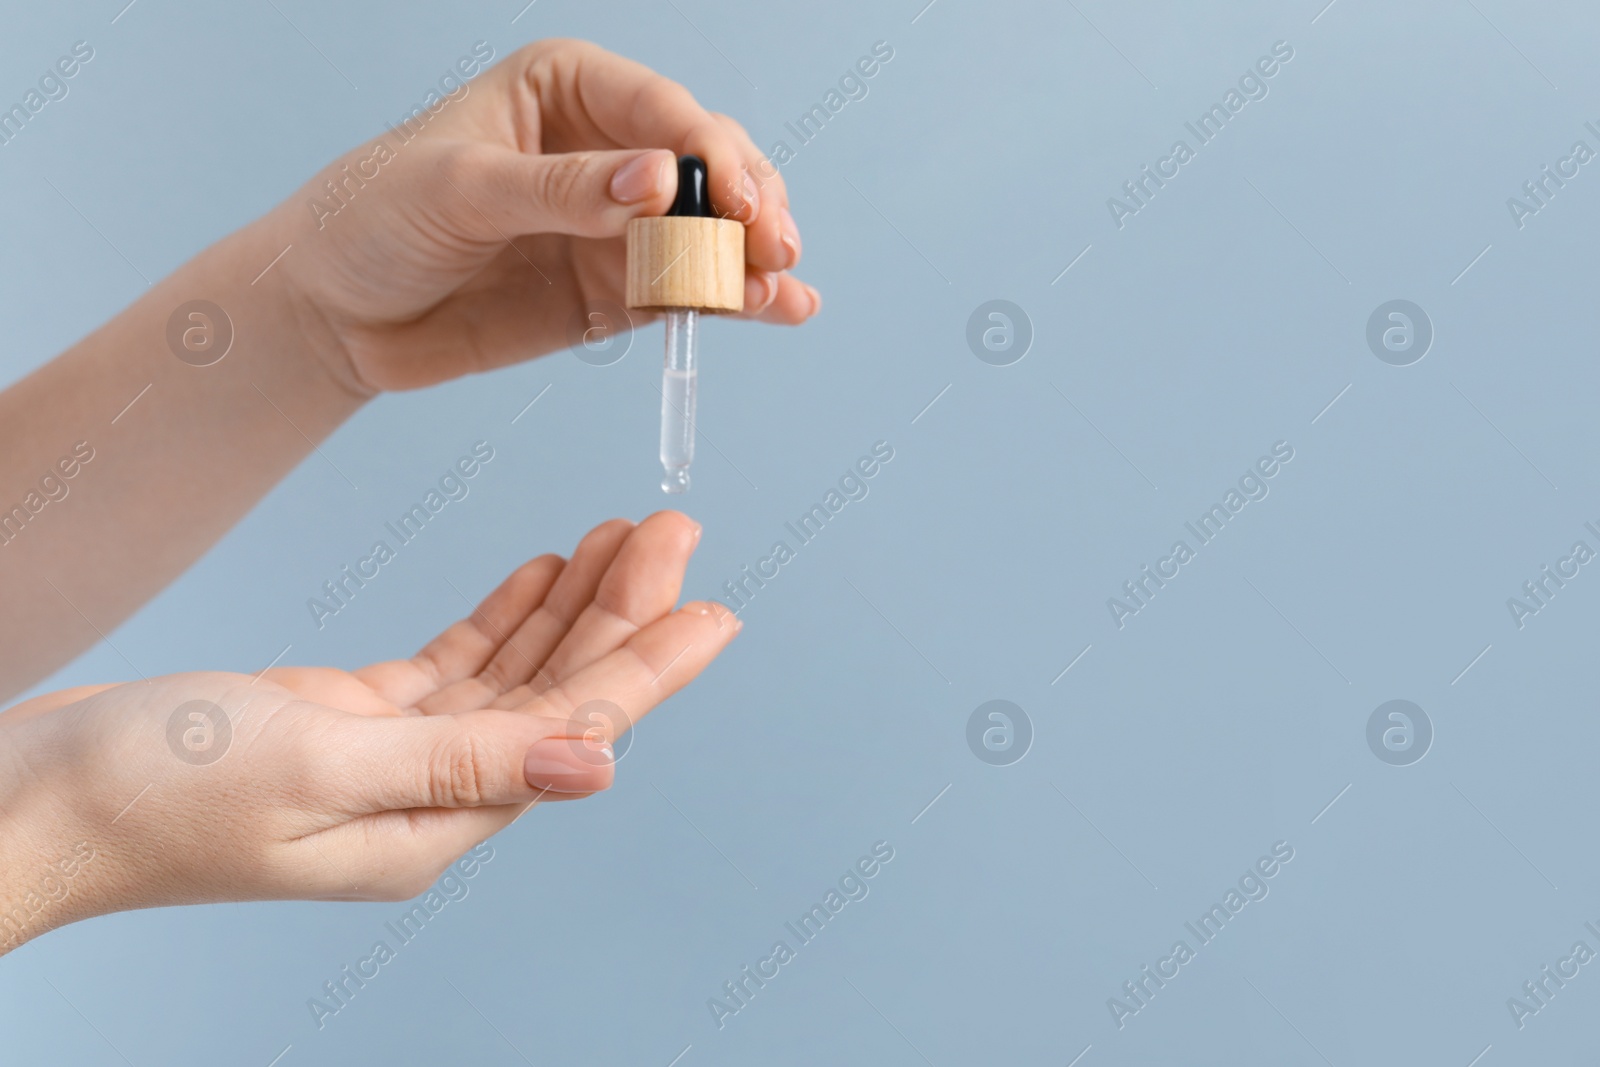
<point>1225,717</point>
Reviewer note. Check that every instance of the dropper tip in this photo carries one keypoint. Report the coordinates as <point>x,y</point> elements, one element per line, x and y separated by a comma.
<point>676,481</point>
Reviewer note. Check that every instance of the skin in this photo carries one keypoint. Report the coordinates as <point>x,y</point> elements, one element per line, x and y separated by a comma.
<point>473,247</point>
<point>351,785</point>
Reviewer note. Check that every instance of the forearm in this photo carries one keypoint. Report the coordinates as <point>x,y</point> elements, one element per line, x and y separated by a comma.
<point>164,456</point>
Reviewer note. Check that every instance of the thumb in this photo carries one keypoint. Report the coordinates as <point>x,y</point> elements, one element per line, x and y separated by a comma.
<point>584,194</point>
<point>475,759</point>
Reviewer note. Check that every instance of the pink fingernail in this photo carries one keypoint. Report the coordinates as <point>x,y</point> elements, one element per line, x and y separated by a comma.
<point>568,765</point>
<point>789,234</point>
<point>752,197</point>
<point>640,178</point>
<point>816,300</point>
<point>760,290</point>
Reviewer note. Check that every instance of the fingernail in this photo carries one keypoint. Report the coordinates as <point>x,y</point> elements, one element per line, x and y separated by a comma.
<point>568,765</point>
<point>789,234</point>
<point>698,530</point>
<point>816,299</point>
<point>640,178</point>
<point>760,290</point>
<point>752,198</point>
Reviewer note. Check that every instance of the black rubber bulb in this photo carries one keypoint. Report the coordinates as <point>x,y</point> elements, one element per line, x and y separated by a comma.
<point>694,195</point>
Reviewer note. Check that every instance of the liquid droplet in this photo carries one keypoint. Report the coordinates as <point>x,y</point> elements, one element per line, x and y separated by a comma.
<point>676,481</point>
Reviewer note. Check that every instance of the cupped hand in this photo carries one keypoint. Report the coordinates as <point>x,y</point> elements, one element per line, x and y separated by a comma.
<point>475,236</point>
<point>327,784</point>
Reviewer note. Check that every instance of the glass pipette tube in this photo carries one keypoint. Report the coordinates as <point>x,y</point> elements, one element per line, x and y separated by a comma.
<point>678,380</point>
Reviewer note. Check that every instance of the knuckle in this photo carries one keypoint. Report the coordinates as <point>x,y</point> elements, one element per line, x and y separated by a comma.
<point>461,166</point>
<point>461,772</point>
<point>730,125</point>
<point>310,756</point>
<point>536,52</point>
<point>564,178</point>
<point>499,674</point>
<point>673,94</point>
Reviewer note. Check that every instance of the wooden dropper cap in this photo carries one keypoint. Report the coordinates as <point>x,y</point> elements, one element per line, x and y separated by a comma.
<point>688,258</point>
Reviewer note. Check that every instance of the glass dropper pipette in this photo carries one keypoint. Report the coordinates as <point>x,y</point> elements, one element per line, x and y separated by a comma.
<point>680,368</point>
<point>679,372</point>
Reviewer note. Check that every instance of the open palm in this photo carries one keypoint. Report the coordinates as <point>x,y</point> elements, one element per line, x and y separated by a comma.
<point>366,784</point>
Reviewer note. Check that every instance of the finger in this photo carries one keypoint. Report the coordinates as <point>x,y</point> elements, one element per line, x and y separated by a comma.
<point>652,665</point>
<point>522,651</point>
<point>639,587</point>
<point>771,238</point>
<point>493,193</point>
<point>583,97</point>
<point>779,298</point>
<point>443,783</point>
<point>484,758</point>
<point>468,645</point>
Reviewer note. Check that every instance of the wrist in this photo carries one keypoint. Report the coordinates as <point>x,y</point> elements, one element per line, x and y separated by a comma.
<point>303,335</point>
<point>47,862</point>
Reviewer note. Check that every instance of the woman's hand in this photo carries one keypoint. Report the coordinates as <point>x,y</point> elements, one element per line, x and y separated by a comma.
<point>480,234</point>
<point>324,784</point>
<point>475,236</point>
